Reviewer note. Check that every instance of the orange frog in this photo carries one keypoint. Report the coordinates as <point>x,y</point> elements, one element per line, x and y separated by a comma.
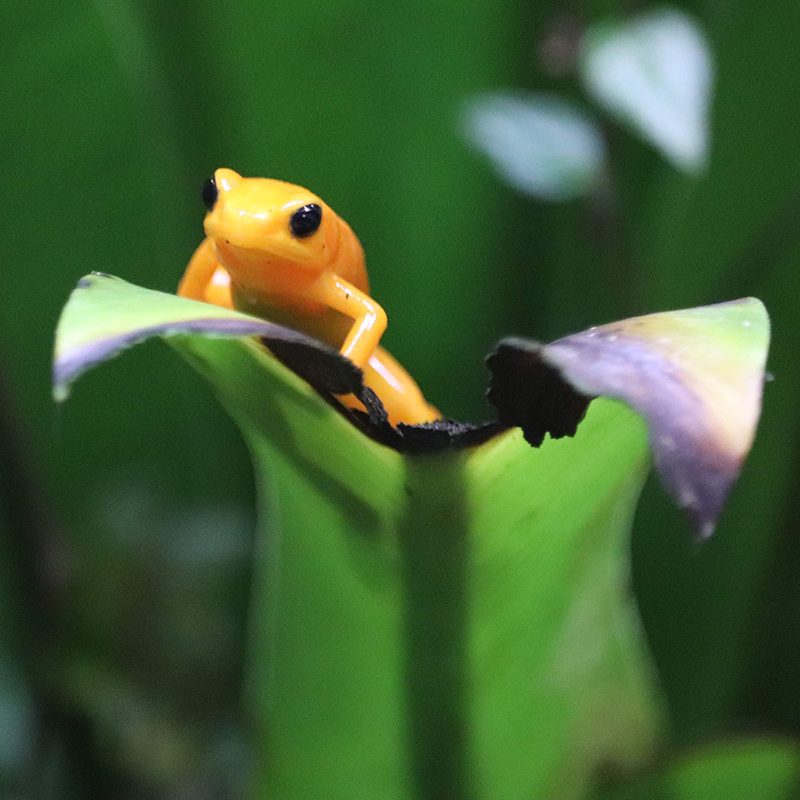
<point>277,251</point>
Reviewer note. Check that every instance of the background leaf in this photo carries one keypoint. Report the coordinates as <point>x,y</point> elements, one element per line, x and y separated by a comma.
<point>540,144</point>
<point>654,73</point>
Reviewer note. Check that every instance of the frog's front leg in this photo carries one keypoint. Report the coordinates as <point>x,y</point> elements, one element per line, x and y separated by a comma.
<point>205,279</point>
<point>369,319</point>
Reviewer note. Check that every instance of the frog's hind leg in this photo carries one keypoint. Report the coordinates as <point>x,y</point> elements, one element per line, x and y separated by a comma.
<point>400,395</point>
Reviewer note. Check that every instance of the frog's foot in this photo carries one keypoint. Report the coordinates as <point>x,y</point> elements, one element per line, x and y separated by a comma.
<point>400,395</point>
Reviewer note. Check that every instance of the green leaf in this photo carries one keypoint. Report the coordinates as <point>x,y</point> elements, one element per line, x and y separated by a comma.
<point>450,625</point>
<point>456,624</point>
<point>766,769</point>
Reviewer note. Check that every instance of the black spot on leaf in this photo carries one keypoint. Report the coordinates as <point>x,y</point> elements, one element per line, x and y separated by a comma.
<point>529,393</point>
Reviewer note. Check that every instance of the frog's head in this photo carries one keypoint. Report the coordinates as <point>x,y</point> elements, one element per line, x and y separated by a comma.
<point>258,221</point>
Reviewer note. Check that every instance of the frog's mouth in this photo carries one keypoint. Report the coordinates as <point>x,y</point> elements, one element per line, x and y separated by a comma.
<point>255,240</point>
<point>241,258</point>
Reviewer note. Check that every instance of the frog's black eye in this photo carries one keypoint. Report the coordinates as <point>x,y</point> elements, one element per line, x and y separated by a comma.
<point>305,221</point>
<point>209,193</point>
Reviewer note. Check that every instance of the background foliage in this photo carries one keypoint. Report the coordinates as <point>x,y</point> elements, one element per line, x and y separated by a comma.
<point>123,606</point>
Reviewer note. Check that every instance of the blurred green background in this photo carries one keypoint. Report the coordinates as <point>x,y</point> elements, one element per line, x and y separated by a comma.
<point>127,514</point>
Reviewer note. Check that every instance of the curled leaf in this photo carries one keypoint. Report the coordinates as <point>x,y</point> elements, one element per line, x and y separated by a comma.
<point>105,315</point>
<point>696,376</point>
<point>477,599</point>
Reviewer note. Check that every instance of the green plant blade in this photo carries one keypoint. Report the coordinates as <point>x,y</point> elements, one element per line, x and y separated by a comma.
<point>447,625</point>
<point>452,625</point>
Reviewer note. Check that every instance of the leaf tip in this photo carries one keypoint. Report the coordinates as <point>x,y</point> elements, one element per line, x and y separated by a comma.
<point>60,392</point>
<point>696,377</point>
